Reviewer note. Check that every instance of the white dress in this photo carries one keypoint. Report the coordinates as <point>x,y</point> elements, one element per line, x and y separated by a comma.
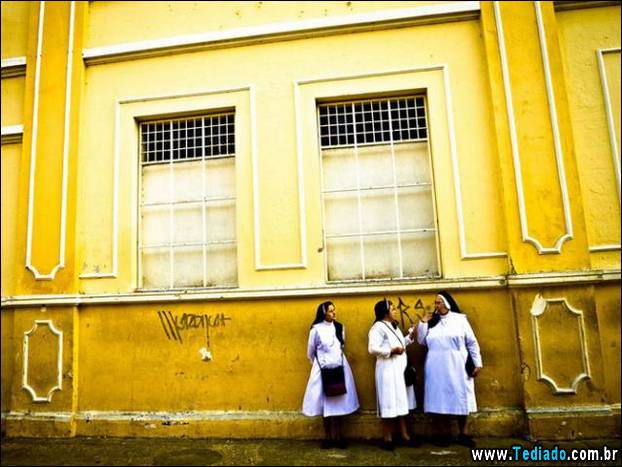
<point>324,344</point>
<point>448,388</point>
<point>393,398</point>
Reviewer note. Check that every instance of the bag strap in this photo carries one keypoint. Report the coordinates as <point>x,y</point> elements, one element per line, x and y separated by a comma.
<point>395,334</point>
<point>340,348</point>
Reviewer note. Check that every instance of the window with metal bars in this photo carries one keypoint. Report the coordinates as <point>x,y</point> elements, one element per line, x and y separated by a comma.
<point>372,122</point>
<point>186,139</point>
<point>188,227</point>
<point>379,216</point>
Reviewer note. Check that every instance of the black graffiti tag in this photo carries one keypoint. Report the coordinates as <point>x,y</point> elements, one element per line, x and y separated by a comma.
<point>173,325</point>
<point>402,307</point>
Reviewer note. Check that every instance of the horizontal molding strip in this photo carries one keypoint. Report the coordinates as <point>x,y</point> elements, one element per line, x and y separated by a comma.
<point>13,67</point>
<point>565,411</point>
<point>12,134</point>
<point>206,415</point>
<point>562,278</point>
<point>250,294</point>
<point>431,285</point>
<point>283,31</point>
<point>570,5</point>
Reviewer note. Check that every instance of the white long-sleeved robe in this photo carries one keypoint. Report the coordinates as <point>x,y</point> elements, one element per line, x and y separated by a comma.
<point>324,345</point>
<point>393,398</point>
<point>448,389</point>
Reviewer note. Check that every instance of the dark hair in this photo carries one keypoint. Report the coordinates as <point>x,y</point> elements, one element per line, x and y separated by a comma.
<point>381,309</point>
<point>453,306</point>
<point>319,317</point>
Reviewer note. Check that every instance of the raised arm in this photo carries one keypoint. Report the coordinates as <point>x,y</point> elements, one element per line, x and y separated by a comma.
<point>411,336</point>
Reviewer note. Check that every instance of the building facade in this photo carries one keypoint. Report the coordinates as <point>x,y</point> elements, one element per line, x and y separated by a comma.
<point>184,182</point>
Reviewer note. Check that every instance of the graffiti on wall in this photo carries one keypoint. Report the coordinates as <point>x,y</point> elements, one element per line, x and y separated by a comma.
<point>418,310</point>
<point>173,324</point>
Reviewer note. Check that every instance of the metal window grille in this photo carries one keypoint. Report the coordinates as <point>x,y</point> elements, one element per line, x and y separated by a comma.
<point>188,202</point>
<point>187,139</point>
<point>372,122</point>
<point>369,203</point>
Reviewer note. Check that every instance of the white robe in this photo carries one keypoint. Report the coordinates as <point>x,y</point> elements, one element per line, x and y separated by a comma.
<point>392,396</point>
<point>324,345</point>
<point>448,388</point>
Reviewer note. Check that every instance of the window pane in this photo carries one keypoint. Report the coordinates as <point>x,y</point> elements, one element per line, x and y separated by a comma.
<point>156,268</point>
<point>188,266</point>
<point>155,223</point>
<point>339,168</point>
<point>416,207</point>
<point>419,254</point>
<point>222,265</point>
<point>378,209</point>
<point>412,163</point>
<point>344,258</point>
<point>188,223</point>
<point>156,184</point>
<point>188,180</point>
<point>220,177</point>
<point>381,256</point>
<point>375,166</point>
<point>220,220</point>
<point>341,213</point>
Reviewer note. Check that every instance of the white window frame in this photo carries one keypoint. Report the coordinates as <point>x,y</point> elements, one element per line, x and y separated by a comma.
<point>171,245</point>
<point>391,143</point>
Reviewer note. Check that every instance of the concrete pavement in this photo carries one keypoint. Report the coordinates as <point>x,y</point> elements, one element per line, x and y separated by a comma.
<point>183,451</point>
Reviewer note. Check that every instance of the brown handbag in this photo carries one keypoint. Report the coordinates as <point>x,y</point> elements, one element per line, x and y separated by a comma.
<point>333,379</point>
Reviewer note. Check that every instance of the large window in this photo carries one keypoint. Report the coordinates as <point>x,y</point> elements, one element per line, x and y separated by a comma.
<point>379,219</point>
<point>188,229</point>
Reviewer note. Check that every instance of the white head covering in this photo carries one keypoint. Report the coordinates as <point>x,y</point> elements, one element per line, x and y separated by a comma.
<point>447,305</point>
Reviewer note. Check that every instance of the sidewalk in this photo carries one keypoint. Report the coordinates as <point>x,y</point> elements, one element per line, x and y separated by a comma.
<point>175,451</point>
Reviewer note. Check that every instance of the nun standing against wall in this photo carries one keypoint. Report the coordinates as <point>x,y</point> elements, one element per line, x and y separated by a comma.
<point>388,345</point>
<point>325,351</point>
<point>449,379</point>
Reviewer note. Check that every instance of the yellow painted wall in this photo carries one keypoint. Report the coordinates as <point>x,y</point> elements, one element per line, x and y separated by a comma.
<point>11,155</point>
<point>130,347</point>
<point>582,32</point>
<point>8,358</point>
<point>43,357</point>
<point>15,17</point>
<point>273,68</point>
<point>12,101</point>
<point>259,345</point>
<point>608,310</point>
<point>115,22</point>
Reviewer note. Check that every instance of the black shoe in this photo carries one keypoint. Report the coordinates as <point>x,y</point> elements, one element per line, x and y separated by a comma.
<point>408,443</point>
<point>441,441</point>
<point>387,446</point>
<point>465,440</point>
<point>327,444</point>
<point>414,442</point>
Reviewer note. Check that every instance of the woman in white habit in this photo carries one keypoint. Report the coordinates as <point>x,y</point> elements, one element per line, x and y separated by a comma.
<point>449,390</point>
<point>388,345</point>
<point>325,350</point>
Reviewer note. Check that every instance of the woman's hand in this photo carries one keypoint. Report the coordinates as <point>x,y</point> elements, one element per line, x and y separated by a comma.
<point>397,351</point>
<point>427,316</point>
<point>476,371</point>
